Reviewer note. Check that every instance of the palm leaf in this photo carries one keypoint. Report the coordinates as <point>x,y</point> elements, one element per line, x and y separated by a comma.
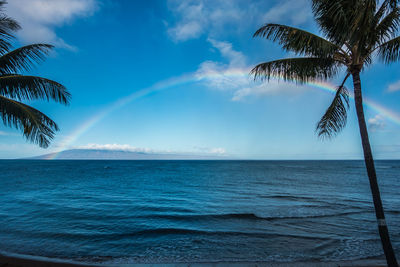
<point>300,70</point>
<point>363,33</point>
<point>393,3</point>
<point>6,23</point>
<point>390,50</point>
<point>32,87</point>
<point>2,4</point>
<point>388,26</point>
<point>334,18</point>
<point>7,27</point>
<point>335,117</point>
<point>23,58</point>
<point>345,21</point>
<point>382,11</point>
<point>36,126</point>
<point>298,41</point>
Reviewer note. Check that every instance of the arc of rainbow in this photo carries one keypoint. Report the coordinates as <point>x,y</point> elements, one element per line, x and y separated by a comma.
<point>193,78</point>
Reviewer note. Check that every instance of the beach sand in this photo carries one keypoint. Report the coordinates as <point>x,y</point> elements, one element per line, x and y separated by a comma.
<point>13,261</point>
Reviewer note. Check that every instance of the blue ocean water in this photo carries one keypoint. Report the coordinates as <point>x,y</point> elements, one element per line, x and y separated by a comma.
<point>194,211</point>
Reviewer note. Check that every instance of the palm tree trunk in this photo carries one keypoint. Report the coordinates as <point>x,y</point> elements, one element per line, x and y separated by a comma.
<point>369,163</point>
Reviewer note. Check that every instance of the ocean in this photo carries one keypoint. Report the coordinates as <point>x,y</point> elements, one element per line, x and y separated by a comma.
<point>115,212</point>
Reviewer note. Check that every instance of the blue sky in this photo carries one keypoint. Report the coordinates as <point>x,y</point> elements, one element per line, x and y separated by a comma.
<point>108,50</point>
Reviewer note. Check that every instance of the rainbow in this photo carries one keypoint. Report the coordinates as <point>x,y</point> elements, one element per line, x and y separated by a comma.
<point>195,78</point>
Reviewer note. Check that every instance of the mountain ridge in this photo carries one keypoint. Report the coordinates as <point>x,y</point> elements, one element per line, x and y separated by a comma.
<point>108,154</point>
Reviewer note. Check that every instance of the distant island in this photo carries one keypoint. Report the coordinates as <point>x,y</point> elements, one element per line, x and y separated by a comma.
<point>105,154</point>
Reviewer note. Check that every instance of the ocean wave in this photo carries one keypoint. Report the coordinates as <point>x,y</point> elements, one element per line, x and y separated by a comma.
<point>157,232</point>
<point>243,216</point>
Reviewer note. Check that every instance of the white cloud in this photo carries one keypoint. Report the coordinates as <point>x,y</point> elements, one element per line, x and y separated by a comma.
<point>195,17</point>
<point>186,31</point>
<point>208,150</point>
<point>217,150</point>
<point>192,21</point>
<point>118,147</point>
<point>233,75</point>
<point>217,17</point>
<point>214,18</point>
<point>393,87</point>
<point>129,148</point>
<point>376,123</point>
<point>40,18</point>
<point>2,133</point>
<point>293,12</point>
<point>224,76</point>
<point>265,89</point>
<point>236,59</point>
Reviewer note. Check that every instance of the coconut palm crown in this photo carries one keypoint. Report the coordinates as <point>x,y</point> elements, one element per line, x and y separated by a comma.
<point>354,33</point>
<point>14,87</point>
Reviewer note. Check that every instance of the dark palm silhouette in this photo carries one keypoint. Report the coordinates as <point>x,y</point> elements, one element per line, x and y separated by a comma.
<point>354,31</point>
<point>14,87</point>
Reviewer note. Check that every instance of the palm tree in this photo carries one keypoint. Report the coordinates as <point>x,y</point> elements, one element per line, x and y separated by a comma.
<point>36,126</point>
<point>354,32</point>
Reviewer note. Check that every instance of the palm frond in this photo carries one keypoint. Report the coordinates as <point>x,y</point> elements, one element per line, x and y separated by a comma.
<point>334,17</point>
<point>345,21</point>
<point>335,117</point>
<point>4,46</point>
<point>393,3</point>
<point>382,11</point>
<point>36,126</point>
<point>297,40</point>
<point>390,51</point>
<point>32,87</point>
<point>23,58</point>
<point>388,26</point>
<point>363,34</point>
<point>7,27</point>
<point>7,23</point>
<point>299,70</point>
<point>2,4</point>
<point>363,17</point>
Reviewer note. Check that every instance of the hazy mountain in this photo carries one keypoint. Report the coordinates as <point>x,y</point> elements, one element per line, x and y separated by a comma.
<point>93,154</point>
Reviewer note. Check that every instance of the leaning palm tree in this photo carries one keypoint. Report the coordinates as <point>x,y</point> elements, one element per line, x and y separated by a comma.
<point>14,87</point>
<point>354,32</point>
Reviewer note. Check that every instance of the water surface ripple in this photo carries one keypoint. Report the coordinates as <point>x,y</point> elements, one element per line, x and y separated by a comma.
<point>191,211</point>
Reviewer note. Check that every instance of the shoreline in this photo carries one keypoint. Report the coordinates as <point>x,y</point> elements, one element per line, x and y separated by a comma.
<point>14,260</point>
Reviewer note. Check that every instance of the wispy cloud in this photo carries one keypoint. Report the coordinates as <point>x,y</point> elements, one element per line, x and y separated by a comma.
<point>3,133</point>
<point>210,150</point>
<point>271,88</point>
<point>192,21</point>
<point>129,148</point>
<point>116,147</point>
<point>236,58</point>
<point>194,18</point>
<point>40,18</point>
<point>393,87</point>
<point>213,18</point>
<point>376,123</point>
<point>292,12</point>
<point>229,75</point>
